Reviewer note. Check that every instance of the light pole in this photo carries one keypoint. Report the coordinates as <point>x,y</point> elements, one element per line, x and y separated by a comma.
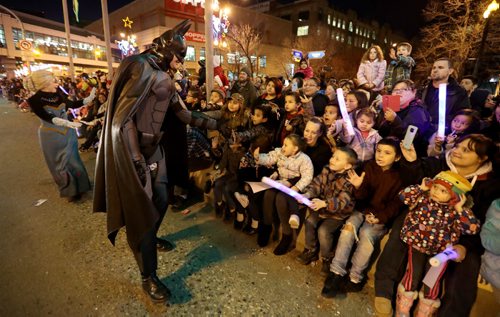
<point>493,6</point>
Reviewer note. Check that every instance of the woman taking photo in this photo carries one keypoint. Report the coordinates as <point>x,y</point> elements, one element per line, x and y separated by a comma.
<point>57,134</point>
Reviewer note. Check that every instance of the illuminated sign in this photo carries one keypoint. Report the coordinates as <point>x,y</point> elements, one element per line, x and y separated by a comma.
<point>192,2</point>
<point>316,54</point>
<point>195,37</point>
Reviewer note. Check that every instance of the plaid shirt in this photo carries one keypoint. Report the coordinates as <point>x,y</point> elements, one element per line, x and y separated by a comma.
<point>398,69</point>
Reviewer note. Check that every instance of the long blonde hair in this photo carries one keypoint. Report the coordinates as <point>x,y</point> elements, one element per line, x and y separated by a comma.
<point>380,54</point>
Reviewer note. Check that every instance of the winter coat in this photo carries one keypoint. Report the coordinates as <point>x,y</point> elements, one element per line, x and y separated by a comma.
<point>372,73</point>
<point>430,226</point>
<point>308,72</point>
<point>247,90</point>
<point>298,165</point>
<point>336,190</point>
<point>490,237</point>
<point>365,148</point>
<point>456,100</point>
<point>378,194</point>
<point>398,69</point>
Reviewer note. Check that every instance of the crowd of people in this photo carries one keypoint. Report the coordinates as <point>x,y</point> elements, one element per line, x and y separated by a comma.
<point>359,182</point>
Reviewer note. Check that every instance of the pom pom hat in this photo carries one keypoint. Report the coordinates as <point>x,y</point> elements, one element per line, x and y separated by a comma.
<point>455,183</point>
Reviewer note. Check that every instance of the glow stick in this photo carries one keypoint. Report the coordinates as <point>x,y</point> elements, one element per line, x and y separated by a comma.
<point>445,256</point>
<point>442,110</point>
<point>287,191</point>
<point>74,115</point>
<point>63,90</point>
<point>438,265</point>
<point>343,111</point>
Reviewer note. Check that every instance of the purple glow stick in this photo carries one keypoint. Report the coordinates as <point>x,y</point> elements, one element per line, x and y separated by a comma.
<point>287,191</point>
<point>63,90</point>
<point>74,115</point>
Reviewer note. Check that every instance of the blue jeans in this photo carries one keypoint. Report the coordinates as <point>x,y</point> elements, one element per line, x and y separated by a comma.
<point>368,235</point>
<point>321,231</point>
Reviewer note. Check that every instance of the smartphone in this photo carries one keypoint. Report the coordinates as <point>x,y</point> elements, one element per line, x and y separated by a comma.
<point>295,86</point>
<point>411,132</point>
<point>391,102</point>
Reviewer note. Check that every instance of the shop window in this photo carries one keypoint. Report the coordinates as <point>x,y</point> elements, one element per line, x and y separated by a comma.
<point>263,61</point>
<point>202,53</point>
<point>303,30</point>
<point>190,54</point>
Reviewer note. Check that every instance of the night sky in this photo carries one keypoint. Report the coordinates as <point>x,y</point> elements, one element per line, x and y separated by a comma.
<point>384,11</point>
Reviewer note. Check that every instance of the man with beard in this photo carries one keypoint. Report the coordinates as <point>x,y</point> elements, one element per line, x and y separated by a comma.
<point>245,87</point>
<point>131,175</point>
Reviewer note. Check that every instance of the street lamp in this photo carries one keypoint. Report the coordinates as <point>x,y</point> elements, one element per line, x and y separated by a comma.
<point>492,7</point>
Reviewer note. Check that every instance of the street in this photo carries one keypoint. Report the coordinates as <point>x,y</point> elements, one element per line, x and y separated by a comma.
<point>57,260</point>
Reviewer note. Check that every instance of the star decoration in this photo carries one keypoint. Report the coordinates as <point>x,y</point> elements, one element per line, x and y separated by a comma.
<point>127,22</point>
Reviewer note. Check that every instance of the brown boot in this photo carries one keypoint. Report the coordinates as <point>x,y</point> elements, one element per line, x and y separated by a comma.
<point>426,307</point>
<point>404,301</point>
<point>383,307</point>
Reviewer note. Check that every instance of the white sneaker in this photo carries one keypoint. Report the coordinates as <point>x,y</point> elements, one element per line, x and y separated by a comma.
<point>242,199</point>
<point>294,221</point>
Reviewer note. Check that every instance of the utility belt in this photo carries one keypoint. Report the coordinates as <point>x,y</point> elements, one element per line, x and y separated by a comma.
<point>149,146</point>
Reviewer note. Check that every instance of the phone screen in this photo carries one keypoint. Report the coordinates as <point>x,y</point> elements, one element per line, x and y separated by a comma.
<point>295,86</point>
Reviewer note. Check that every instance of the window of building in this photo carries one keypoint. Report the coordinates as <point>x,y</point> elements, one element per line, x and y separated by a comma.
<point>190,54</point>
<point>342,39</point>
<point>286,17</point>
<point>373,35</point>
<point>329,19</point>
<point>263,61</point>
<point>320,15</point>
<point>202,53</point>
<point>351,27</point>
<point>303,16</point>
<point>337,37</point>
<point>2,37</point>
<point>357,30</point>
<point>334,22</point>
<point>349,40</point>
<point>343,24</point>
<point>385,40</point>
<point>303,30</point>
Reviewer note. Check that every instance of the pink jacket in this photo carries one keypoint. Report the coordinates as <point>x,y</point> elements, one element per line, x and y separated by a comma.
<point>372,72</point>
<point>308,72</point>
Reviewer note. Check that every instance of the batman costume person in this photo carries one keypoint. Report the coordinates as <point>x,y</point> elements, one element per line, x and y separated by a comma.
<point>131,178</point>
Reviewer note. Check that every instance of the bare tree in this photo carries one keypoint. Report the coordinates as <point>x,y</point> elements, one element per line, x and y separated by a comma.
<point>245,41</point>
<point>453,30</point>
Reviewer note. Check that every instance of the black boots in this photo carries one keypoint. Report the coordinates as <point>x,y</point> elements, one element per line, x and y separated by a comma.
<point>334,284</point>
<point>163,245</point>
<point>285,245</point>
<point>156,290</point>
<point>264,234</point>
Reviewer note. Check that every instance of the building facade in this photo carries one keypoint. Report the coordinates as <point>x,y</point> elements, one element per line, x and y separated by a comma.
<point>153,17</point>
<point>47,48</point>
<point>313,17</point>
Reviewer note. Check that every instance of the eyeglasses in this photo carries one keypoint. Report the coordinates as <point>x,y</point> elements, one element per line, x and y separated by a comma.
<point>400,90</point>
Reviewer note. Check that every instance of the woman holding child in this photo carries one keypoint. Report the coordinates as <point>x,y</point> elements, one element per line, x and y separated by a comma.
<point>471,158</point>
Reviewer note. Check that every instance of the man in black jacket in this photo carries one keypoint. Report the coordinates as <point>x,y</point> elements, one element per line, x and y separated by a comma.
<point>456,96</point>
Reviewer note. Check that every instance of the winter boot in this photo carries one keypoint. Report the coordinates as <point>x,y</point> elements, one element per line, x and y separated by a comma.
<point>426,307</point>
<point>404,301</point>
<point>264,234</point>
<point>383,307</point>
<point>284,245</point>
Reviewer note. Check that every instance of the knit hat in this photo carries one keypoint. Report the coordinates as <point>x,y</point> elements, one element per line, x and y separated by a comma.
<point>247,71</point>
<point>220,92</point>
<point>40,79</point>
<point>455,183</point>
<point>237,97</point>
